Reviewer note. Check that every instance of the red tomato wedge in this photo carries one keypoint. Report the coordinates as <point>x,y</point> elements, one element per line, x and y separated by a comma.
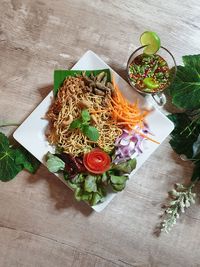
<point>97,161</point>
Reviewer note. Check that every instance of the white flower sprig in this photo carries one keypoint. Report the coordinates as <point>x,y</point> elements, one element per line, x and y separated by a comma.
<point>181,198</point>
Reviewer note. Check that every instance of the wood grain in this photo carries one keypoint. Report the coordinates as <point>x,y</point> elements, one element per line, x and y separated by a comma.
<point>40,222</point>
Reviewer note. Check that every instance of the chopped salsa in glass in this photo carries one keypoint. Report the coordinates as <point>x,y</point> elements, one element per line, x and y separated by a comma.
<point>149,73</point>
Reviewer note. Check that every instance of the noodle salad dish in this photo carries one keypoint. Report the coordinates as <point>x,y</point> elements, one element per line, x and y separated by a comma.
<point>96,133</point>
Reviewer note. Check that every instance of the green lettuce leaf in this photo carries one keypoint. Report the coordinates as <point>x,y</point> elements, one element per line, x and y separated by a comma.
<point>125,167</point>
<point>90,184</point>
<point>54,163</point>
<point>118,179</point>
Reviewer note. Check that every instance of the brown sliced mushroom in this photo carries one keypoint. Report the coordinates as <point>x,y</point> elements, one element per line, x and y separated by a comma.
<point>104,79</point>
<point>102,87</point>
<point>99,92</point>
<point>100,76</point>
<point>110,85</point>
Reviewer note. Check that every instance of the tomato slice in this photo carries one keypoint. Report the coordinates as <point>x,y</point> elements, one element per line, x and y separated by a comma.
<point>97,161</point>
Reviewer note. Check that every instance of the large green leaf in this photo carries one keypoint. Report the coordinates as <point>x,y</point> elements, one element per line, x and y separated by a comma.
<point>185,90</point>
<point>192,61</point>
<point>184,134</point>
<point>8,168</point>
<point>60,75</point>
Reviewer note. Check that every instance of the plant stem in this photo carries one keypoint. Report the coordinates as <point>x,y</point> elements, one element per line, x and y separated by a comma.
<point>8,124</point>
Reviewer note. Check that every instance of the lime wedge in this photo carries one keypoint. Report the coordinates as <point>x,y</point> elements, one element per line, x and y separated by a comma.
<point>150,83</point>
<point>152,42</point>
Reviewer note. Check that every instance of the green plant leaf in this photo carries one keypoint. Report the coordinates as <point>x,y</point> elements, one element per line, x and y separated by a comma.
<point>85,115</point>
<point>13,160</point>
<point>8,168</point>
<point>184,134</point>
<point>185,89</point>
<point>192,61</point>
<point>91,132</point>
<point>54,163</point>
<point>26,160</point>
<point>75,124</point>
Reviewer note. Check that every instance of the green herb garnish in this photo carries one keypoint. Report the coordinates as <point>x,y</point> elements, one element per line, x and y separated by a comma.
<point>83,123</point>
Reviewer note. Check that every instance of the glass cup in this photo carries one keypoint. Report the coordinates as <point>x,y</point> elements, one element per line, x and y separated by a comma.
<point>158,96</point>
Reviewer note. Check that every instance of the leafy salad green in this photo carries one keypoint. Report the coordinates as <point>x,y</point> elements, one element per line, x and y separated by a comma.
<point>91,187</point>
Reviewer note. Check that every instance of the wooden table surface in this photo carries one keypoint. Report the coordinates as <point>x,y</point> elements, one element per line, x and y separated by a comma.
<point>40,222</point>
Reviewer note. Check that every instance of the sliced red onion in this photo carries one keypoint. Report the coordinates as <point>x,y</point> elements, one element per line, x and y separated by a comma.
<point>129,144</point>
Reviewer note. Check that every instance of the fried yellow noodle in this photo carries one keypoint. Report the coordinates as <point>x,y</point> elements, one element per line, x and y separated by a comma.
<point>72,97</point>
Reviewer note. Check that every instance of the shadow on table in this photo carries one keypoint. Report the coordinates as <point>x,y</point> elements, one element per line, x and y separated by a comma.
<point>186,171</point>
<point>59,192</point>
<point>45,90</point>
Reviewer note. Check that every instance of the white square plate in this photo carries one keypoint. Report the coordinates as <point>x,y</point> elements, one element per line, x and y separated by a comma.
<point>31,133</point>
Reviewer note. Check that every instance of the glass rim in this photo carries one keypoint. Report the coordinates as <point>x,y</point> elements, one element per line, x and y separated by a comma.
<point>128,64</point>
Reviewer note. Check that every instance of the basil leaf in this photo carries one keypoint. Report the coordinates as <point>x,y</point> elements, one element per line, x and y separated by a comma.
<point>85,115</point>
<point>54,164</point>
<point>91,132</point>
<point>75,124</point>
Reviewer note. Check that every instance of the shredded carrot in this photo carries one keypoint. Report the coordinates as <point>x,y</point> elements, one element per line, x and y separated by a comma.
<point>127,114</point>
<point>145,136</point>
